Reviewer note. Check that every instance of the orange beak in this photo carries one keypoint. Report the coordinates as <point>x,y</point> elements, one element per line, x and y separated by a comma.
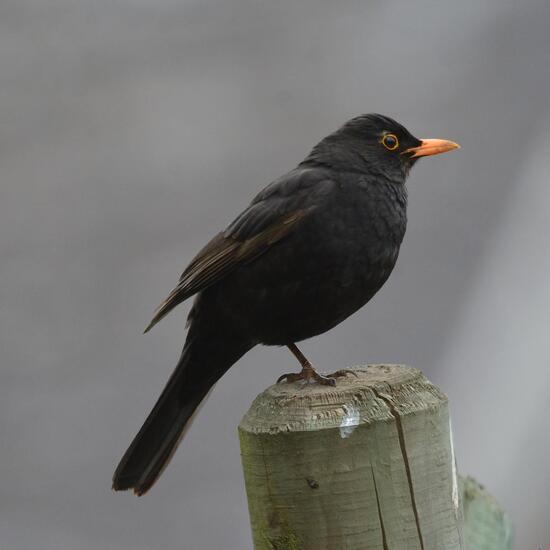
<point>429,147</point>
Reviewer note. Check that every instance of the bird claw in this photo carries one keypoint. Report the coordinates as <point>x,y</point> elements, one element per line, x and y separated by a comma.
<point>343,372</point>
<point>308,376</point>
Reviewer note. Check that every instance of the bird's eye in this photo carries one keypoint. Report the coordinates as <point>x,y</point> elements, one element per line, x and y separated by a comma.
<point>390,142</point>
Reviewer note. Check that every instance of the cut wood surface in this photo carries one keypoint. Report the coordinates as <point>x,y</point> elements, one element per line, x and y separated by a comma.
<point>367,464</point>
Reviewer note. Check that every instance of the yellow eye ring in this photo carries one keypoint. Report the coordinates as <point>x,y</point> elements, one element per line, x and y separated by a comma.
<point>390,142</point>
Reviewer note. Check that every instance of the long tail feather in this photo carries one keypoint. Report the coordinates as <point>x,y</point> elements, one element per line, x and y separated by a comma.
<point>201,365</point>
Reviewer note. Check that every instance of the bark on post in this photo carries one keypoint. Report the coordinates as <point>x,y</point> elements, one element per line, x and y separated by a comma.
<point>486,525</point>
<point>367,464</point>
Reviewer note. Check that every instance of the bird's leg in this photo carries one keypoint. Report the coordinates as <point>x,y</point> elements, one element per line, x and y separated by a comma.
<point>308,373</point>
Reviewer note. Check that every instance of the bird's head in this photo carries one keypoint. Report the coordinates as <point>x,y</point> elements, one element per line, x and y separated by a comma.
<point>377,145</point>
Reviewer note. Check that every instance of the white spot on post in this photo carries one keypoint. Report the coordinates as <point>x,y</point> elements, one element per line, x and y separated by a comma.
<point>350,421</point>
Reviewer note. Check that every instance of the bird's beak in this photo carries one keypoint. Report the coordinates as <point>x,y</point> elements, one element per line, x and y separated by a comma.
<point>429,147</point>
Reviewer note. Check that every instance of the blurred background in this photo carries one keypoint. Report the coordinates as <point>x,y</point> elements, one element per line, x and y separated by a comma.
<point>131,131</point>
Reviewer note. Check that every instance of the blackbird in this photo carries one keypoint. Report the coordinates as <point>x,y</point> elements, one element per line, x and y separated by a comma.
<point>311,249</point>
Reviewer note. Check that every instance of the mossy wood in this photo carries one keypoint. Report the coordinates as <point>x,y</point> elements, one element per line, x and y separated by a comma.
<point>486,525</point>
<point>367,464</point>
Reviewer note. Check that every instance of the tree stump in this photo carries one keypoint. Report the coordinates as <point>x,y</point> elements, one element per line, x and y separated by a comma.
<point>367,464</point>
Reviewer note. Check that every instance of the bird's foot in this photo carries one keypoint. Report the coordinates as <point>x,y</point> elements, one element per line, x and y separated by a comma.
<point>308,375</point>
<point>343,372</point>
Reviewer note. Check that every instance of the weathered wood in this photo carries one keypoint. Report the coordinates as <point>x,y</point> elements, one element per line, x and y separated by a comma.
<point>486,525</point>
<point>367,464</point>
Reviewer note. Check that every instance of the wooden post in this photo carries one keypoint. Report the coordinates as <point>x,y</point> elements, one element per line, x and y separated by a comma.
<point>486,525</point>
<point>365,465</point>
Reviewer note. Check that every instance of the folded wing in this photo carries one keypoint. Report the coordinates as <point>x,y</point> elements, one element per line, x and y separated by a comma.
<point>252,234</point>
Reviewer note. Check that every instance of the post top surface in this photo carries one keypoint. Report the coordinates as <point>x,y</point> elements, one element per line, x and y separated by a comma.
<point>366,395</point>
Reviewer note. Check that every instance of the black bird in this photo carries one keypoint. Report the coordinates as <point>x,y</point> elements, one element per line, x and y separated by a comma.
<point>311,249</point>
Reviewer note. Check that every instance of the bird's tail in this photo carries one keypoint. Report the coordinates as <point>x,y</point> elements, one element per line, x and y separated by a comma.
<point>203,362</point>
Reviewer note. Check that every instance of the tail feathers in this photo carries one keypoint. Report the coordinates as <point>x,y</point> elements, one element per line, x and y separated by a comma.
<point>154,446</point>
<point>157,440</point>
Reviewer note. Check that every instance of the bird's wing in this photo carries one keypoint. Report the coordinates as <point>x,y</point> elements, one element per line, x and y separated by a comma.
<point>273,214</point>
<point>249,236</point>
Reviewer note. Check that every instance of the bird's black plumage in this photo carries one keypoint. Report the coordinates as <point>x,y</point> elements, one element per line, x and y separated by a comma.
<point>311,249</point>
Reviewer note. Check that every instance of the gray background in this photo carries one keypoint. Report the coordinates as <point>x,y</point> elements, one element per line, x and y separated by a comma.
<point>132,130</point>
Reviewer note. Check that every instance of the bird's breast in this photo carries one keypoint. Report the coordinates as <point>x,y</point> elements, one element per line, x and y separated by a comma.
<point>365,227</point>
